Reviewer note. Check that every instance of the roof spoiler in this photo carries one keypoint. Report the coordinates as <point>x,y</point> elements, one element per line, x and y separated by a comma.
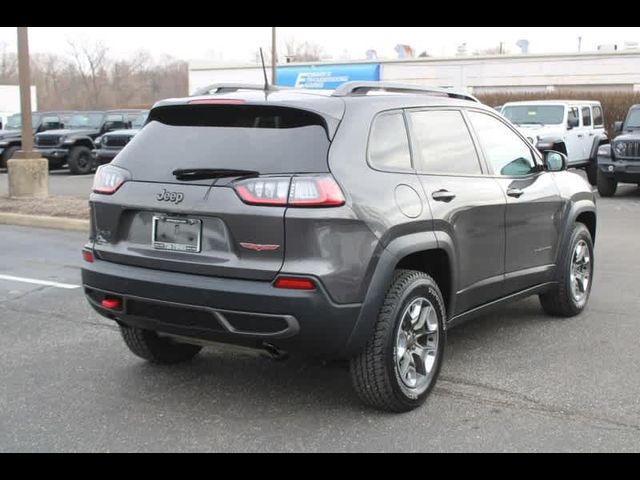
<point>221,88</point>
<point>352,89</point>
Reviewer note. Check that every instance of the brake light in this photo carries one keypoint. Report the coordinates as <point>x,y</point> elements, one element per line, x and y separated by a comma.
<point>301,192</point>
<point>109,179</point>
<point>217,102</point>
<point>87,256</point>
<point>269,192</point>
<point>315,192</point>
<point>291,283</point>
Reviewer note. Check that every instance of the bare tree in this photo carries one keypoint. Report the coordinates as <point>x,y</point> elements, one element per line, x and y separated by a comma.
<point>91,63</point>
<point>8,65</point>
<point>302,52</point>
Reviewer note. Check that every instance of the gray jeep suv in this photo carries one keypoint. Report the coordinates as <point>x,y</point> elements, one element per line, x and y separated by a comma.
<point>361,224</point>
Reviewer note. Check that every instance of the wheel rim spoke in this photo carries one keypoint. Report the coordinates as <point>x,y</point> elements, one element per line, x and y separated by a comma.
<point>417,345</point>
<point>580,276</point>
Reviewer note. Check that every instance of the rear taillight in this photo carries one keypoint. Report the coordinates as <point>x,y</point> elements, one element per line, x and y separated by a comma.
<point>109,179</point>
<point>301,192</point>
<point>87,256</point>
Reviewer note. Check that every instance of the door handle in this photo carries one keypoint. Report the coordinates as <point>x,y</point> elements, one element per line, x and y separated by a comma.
<point>443,196</point>
<point>515,192</point>
<point>580,136</point>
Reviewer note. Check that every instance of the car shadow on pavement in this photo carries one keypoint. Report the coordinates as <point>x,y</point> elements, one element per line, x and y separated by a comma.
<point>254,385</point>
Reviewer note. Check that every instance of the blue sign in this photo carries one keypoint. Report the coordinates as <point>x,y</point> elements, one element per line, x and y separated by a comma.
<point>326,77</point>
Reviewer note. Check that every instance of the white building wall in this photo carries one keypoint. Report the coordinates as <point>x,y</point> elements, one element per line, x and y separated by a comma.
<point>519,72</point>
<point>620,70</point>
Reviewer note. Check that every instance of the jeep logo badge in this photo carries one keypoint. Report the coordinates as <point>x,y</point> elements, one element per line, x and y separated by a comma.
<point>170,197</point>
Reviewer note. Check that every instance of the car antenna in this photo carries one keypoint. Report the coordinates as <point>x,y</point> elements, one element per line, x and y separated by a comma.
<point>267,87</point>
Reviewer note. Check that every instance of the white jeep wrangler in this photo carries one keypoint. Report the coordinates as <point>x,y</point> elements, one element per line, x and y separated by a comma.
<point>575,128</point>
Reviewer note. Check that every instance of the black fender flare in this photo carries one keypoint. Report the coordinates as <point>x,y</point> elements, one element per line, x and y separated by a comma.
<point>382,277</point>
<point>83,142</point>
<point>578,208</point>
<point>598,141</point>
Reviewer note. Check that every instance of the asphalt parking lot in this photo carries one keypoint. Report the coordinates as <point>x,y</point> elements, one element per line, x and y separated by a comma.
<point>514,381</point>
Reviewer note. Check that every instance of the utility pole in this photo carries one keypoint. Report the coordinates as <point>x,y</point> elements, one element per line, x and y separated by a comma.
<point>274,57</point>
<point>28,173</point>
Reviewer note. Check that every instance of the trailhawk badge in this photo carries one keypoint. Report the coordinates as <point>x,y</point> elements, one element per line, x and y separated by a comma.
<point>170,197</point>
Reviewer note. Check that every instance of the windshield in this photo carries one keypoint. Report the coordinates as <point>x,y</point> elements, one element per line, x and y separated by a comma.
<point>634,119</point>
<point>535,114</point>
<point>15,122</point>
<point>140,120</point>
<point>86,120</point>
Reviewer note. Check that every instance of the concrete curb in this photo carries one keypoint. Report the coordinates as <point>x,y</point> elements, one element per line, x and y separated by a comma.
<point>54,223</point>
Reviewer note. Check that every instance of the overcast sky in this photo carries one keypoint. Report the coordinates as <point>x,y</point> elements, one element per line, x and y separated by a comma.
<point>237,44</point>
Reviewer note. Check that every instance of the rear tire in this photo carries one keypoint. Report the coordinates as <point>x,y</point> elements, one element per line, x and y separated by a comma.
<point>571,296</point>
<point>150,346</point>
<point>592,173</point>
<point>401,363</point>
<point>607,187</point>
<point>80,161</point>
<point>8,155</point>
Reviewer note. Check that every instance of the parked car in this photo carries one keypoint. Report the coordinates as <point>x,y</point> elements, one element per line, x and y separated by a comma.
<point>4,118</point>
<point>111,144</point>
<point>575,128</point>
<point>620,161</point>
<point>11,136</point>
<point>349,226</point>
<point>73,144</point>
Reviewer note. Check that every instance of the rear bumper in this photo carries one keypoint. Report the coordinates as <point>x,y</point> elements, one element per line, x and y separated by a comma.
<point>241,312</point>
<point>624,171</point>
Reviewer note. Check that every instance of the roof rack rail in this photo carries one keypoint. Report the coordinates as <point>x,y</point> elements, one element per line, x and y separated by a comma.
<point>220,88</point>
<point>351,89</point>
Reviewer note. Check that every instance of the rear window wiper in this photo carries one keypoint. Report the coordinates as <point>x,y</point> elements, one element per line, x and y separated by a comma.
<point>193,174</point>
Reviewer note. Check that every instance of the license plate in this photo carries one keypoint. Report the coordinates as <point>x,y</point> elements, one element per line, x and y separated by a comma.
<point>177,234</point>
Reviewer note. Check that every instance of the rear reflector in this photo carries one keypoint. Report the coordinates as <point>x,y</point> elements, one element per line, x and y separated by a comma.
<point>287,283</point>
<point>112,304</point>
<point>87,256</point>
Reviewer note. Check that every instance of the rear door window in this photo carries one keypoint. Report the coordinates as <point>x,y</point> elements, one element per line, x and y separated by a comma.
<point>443,143</point>
<point>586,117</point>
<point>389,143</point>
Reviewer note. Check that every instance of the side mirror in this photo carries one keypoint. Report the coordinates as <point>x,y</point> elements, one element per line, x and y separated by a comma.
<point>573,123</point>
<point>618,127</point>
<point>556,161</point>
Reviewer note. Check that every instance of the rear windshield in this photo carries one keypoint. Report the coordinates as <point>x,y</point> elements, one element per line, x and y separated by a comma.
<point>269,140</point>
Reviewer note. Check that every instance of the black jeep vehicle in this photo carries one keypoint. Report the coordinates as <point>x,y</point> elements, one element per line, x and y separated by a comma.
<point>111,144</point>
<point>344,225</point>
<point>11,136</point>
<point>620,161</point>
<point>74,144</point>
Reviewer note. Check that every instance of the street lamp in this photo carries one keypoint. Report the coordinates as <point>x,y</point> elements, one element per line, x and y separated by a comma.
<point>28,173</point>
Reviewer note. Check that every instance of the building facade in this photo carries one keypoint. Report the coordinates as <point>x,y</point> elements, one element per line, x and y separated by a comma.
<point>610,71</point>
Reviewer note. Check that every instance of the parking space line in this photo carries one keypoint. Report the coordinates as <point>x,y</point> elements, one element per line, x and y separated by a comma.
<point>43,283</point>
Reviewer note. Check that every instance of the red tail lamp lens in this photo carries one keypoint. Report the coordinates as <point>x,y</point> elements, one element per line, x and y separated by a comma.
<point>87,256</point>
<point>112,303</point>
<point>287,283</point>
<point>297,192</point>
